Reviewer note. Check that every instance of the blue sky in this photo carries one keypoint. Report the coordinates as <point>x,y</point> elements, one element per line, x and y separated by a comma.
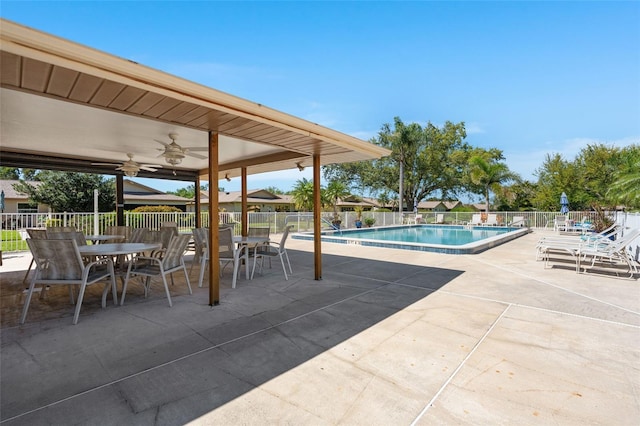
<point>529,78</point>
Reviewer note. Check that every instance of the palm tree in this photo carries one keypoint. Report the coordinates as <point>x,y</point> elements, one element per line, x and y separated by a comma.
<point>625,188</point>
<point>302,194</point>
<point>490,174</point>
<point>333,192</point>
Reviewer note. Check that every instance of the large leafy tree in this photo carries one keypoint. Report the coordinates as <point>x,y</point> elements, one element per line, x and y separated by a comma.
<point>431,160</point>
<point>9,173</point>
<point>489,175</point>
<point>189,191</point>
<point>555,176</point>
<point>70,192</point>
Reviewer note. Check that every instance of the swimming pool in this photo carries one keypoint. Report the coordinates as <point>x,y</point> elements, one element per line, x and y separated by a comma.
<point>451,239</point>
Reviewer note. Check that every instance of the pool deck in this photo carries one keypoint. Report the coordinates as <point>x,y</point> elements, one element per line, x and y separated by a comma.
<point>387,337</point>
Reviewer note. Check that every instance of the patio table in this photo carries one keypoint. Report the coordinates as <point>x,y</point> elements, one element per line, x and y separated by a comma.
<point>244,243</point>
<point>96,239</point>
<point>117,249</point>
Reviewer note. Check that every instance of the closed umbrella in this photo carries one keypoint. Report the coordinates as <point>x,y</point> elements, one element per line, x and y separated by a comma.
<point>2,201</point>
<point>564,204</point>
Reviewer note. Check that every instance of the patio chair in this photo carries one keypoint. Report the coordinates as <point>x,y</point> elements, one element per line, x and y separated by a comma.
<point>59,262</point>
<point>560,223</point>
<point>36,234</point>
<point>492,219</point>
<point>199,243</point>
<point>272,250</point>
<point>151,266</point>
<point>257,232</point>
<point>124,231</point>
<point>476,219</point>
<point>228,252</point>
<point>518,221</point>
<point>418,219</point>
<point>60,228</point>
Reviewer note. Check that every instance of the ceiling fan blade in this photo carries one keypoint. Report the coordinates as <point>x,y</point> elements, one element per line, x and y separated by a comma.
<point>163,143</point>
<point>198,148</point>
<point>147,168</point>
<point>106,164</point>
<point>200,156</point>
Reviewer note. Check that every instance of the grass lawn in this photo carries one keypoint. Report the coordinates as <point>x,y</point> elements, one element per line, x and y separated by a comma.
<point>12,241</point>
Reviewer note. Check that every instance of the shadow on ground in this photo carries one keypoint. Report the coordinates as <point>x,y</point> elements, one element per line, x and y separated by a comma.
<point>147,363</point>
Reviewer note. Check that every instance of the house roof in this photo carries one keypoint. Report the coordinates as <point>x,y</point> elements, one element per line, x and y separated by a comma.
<point>58,95</point>
<point>10,193</point>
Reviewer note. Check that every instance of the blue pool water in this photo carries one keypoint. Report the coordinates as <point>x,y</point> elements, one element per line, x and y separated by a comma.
<point>437,238</point>
<point>451,236</point>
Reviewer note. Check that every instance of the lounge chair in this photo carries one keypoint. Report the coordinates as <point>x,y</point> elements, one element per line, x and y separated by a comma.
<point>492,220</point>
<point>518,221</point>
<point>598,248</point>
<point>616,251</point>
<point>439,218</point>
<point>560,223</point>
<point>476,219</point>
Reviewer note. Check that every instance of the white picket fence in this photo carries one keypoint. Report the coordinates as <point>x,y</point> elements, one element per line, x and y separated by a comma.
<point>14,225</point>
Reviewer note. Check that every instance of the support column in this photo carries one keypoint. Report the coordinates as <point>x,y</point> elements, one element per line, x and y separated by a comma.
<point>197,203</point>
<point>317,211</point>
<point>214,219</point>
<point>245,213</point>
<point>119,200</point>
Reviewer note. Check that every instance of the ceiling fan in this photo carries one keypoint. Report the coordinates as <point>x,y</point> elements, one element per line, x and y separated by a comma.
<point>130,167</point>
<point>174,153</point>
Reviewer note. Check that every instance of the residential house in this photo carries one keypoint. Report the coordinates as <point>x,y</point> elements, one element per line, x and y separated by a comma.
<point>258,200</point>
<point>136,195</point>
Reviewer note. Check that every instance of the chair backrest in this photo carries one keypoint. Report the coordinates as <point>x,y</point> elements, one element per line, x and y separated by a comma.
<point>518,220</point>
<point>561,220</point>
<point>77,236</point>
<point>124,231</point>
<point>476,218</point>
<point>259,231</point>
<point>285,234</point>
<point>200,238</point>
<point>175,251</point>
<point>169,224</point>
<point>166,234</point>
<point>37,234</point>
<point>152,236</point>
<point>57,259</point>
<point>60,228</point>
<point>440,218</point>
<point>138,235</point>
<point>227,246</point>
<point>492,218</point>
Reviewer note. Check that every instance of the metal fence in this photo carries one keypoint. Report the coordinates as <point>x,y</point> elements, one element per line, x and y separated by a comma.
<point>14,225</point>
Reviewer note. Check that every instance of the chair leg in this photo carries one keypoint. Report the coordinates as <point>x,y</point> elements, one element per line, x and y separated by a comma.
<point>283,267</point>
<point>26,275</point>
<point>166,289</point>
<point>76,315</point>
<point>27,300</point>
<point>186,277</point>
<point>124,286</point>
<point>203,265</point>
<point>288,263</point>
<point>236,266</point>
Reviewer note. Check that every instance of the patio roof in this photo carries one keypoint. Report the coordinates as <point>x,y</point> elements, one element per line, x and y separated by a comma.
<point>61,99</point>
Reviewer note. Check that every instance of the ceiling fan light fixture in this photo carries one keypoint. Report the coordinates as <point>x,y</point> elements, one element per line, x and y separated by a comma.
<point>131,173</point>
<point>227,177</point>
<point>173,160</point>
<point>300,166</point>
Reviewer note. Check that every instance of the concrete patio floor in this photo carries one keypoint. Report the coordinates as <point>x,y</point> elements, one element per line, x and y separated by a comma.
<point>388,337</point>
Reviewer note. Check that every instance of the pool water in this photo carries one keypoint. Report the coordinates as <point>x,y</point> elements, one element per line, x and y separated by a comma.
<point>428,234</point>
<point>450,239</point>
